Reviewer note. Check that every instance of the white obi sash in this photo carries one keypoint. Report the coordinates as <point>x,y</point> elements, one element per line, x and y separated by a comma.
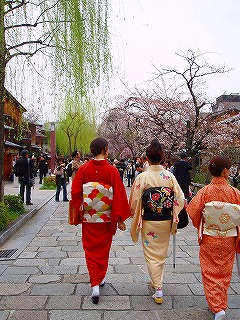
<point>97,202</point>
<point>221,219</point>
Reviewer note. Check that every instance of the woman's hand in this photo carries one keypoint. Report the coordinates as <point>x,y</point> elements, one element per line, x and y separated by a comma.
<point>121,225</point>
<point>174,228</point>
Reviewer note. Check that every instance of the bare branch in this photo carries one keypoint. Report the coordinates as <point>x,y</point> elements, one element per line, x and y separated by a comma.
<point>22,3</point>
<point>34,25</point>
<point>27,53</point>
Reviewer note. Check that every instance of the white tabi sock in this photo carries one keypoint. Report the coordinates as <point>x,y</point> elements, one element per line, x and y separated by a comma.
<point>220,315</point>
<point>158,293</point>
<point>95,291</point>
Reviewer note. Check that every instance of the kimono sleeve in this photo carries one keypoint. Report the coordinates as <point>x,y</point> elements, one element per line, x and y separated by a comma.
<point>195,208</point>
<point>135,197</point>
<point>77,190</point>
<point>178,202</point>
<point>135,203</point>
<point>120,206</point>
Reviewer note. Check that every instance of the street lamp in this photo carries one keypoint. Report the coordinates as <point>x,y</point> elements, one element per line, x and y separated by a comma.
<point>52,146</point>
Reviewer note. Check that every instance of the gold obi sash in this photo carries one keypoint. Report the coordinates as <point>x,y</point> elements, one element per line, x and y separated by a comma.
<point>221,219</point>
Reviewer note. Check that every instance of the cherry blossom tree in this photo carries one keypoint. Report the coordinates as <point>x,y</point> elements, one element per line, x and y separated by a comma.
<point>176,114</point>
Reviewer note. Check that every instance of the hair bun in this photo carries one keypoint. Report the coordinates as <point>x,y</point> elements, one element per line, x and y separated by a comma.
<point>155,143</point>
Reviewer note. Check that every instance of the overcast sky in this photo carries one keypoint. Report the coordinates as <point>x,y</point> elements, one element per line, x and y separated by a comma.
<point>149,32</point>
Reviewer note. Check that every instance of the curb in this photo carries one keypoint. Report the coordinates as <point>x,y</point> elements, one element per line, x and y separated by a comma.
<point>20,221</point>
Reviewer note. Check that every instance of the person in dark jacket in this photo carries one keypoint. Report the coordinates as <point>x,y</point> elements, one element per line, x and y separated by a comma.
<point>43,169</point>
<point>24,170</point>
<point>182,174</point>
<point>121,167</point>
<point>130,173</point>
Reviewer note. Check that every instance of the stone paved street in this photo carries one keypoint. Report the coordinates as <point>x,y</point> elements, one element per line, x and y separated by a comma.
<point>47,278</point>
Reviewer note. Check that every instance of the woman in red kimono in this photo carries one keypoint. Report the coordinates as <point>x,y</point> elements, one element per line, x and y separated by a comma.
<point>217,247</point>
<point>99,199</point>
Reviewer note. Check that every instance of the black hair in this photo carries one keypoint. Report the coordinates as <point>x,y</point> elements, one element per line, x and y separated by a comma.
<point>183,155</point>
<point>60,159</point>
<point>217,164</point>
<point>74,154</point>
<point>155,152</point>
<point>98,145</point>
<point>24,153</point>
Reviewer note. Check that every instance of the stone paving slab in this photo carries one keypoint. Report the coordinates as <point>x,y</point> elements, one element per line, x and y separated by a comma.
<point>7,289</point>
<point>29,315</point>
<point>108,303</point>
<point>22,302</point>
<point>65,302</point>
<point>74,315</point>
<point>52,289</point>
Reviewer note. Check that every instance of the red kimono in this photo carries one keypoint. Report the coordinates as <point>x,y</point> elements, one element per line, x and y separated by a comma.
<point>216,253</point>
<point>97,233</point>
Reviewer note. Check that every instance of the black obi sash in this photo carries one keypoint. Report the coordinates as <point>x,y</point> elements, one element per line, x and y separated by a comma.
<point>157,204</point>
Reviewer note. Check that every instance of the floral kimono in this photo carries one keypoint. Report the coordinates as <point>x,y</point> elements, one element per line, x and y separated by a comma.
<point>155,201</point>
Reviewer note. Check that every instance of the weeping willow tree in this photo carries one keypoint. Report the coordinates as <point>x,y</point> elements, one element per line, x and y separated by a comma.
<point>69,39</point>
<point>81,68</point>
<point>76,127</point>
<point>82,56</point>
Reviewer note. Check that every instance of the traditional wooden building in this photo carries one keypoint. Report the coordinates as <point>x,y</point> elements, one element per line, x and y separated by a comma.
<point>13,111</point>
<point>19,135</point>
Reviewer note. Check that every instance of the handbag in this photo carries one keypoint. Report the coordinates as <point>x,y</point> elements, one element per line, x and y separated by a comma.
<point>183,219</point>
<point>31,182</point>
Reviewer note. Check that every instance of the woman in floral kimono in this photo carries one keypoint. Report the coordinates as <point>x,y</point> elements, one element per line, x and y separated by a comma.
<point>155,201</point>
<point>98,199</point>
<point>217,246</point>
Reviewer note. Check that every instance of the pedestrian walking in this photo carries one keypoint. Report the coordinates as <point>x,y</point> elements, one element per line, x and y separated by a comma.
<point>24,169</point>
<point>61,179</point>
<point>121,167</point>
<point>43,169</point>
<point>236,177</point>
<point>155,201</point>
<point>99,202</point>
<point>75,163</point>
<point>211,210</point>
<point>130,173</point>
<point>145,163</point>
<point>181,172</point>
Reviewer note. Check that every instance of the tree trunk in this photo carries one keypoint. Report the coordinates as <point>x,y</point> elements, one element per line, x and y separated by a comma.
<point>2,80</point>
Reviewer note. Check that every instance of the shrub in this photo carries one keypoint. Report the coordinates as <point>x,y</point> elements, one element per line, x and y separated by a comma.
<point>48,183</point>
<point>202,175</point>
<point>10,210</point>
<point>4,215</point>
<point>14,203</point>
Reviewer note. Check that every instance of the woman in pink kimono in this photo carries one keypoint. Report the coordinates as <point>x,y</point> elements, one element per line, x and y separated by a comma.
<point>217,246</point>
<point>155,201</point>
